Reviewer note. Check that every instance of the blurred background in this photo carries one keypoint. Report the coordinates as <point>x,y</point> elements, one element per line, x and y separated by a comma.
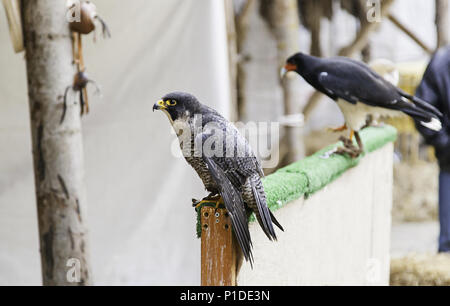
<point>227,53</point>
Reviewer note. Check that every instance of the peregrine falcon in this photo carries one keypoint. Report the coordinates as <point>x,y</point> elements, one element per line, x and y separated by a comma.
<point>359,92</point>
<point>224,161</point>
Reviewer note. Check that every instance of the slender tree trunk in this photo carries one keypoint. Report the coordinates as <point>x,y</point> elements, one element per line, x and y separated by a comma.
<point>232,58</point>
<point>242,23</point>
<point>57,148</point>
<point>282,16</point>
<point>442,23</point>
<point>316,11</point>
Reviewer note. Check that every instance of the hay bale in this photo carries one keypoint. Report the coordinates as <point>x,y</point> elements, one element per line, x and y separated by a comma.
<point>415,196</point>
<point>421,270</point>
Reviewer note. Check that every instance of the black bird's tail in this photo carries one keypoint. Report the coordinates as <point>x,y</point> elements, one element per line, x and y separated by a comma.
<point>425,113</point>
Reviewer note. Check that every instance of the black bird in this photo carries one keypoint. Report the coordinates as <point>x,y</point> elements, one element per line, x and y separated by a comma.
<point>360,92</point>
<point>228,168</point>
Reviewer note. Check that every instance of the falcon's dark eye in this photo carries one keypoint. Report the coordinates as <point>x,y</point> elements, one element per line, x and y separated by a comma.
<point>171,102</point>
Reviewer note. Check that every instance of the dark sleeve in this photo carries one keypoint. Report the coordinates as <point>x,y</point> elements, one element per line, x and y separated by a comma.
<point>429,92</point>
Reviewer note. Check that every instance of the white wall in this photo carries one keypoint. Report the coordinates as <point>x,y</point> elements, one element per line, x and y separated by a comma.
<point>339,236</point>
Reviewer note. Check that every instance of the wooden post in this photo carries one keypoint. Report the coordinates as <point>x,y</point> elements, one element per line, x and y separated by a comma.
<point>218,252</point>
<point>57,148</point>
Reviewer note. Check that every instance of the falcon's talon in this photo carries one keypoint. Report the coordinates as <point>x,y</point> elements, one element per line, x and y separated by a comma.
<point>218,200</point>
<point>213,197</point>
<point>200,203</point>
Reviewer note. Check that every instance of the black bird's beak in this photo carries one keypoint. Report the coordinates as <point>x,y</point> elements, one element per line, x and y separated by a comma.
<point>290,67</point>
<point>160,105</point>
<point>287,68</point>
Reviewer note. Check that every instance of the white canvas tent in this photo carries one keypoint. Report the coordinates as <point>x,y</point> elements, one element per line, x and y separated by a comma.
<point>142,225</point>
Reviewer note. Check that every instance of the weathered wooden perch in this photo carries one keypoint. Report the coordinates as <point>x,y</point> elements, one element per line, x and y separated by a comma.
<point>218,258</point>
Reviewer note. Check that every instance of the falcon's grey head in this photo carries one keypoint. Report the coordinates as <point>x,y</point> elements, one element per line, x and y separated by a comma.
<point>178,105</point>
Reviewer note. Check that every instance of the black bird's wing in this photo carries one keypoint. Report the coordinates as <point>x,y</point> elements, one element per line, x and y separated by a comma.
<point>357,83</point>
<point>353,83</point>
<point>419,102</point>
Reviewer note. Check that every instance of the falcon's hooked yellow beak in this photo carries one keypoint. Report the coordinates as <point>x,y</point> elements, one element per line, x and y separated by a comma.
<point>160,105</point>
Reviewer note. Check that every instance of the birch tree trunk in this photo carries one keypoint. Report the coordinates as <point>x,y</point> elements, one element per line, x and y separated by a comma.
<point>57,148</point>
<point>242,24</point>
<point>232,58</point>
<point>442,23</point>
<point>282,16</point>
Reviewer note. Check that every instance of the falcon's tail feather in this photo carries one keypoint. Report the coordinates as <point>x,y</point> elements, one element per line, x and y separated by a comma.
<point>264,215</point>
<point>234,204</point>
<point>275,221</point>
